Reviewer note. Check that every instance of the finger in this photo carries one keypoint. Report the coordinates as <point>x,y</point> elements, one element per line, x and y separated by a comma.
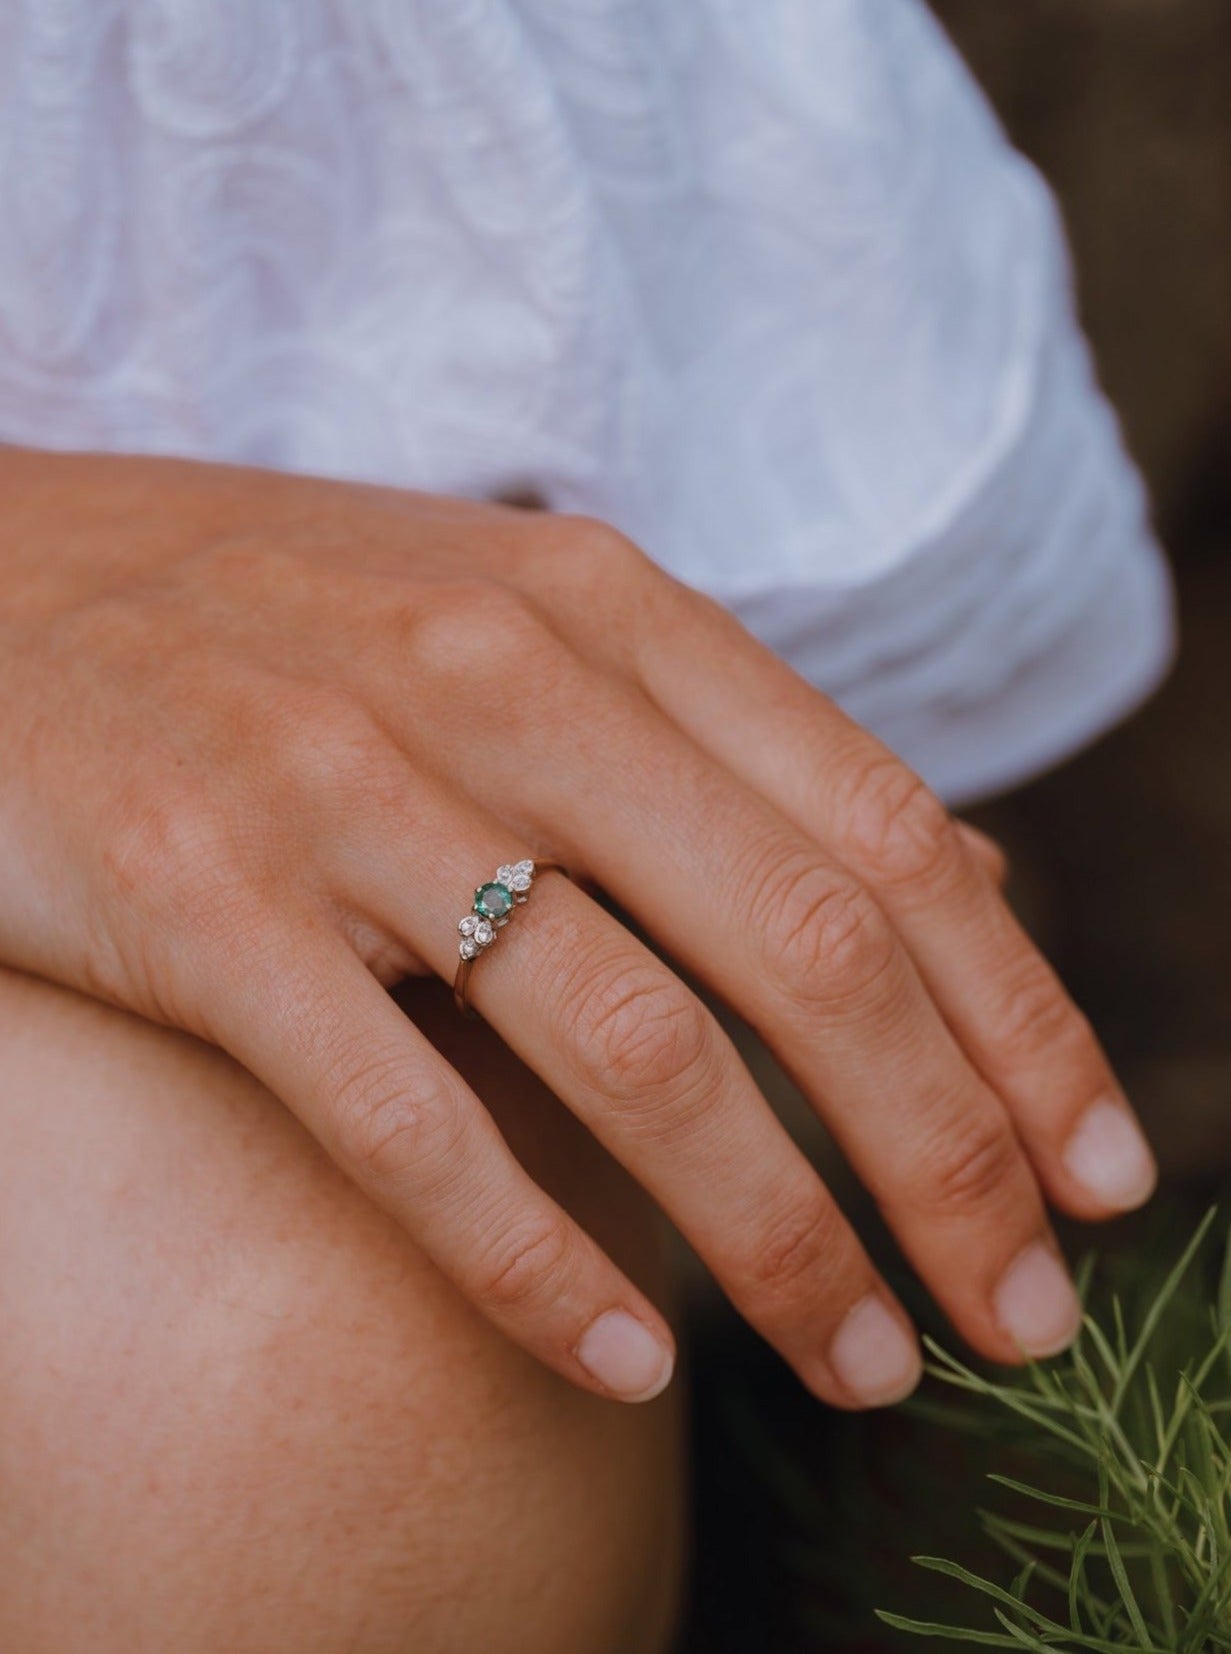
<point>847,792</point>
<point>309,1020</point>
<point>985,850</point>
<point>725,883</point>
<point>641,1062</point>
<point>740,896</point>
<point>810,959</point>
<point>1003,1001</point>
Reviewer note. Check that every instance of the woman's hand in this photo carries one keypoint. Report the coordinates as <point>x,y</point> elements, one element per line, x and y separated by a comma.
<point>263,736</point>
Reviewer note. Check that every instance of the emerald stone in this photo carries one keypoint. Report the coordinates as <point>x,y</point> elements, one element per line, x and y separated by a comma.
<point>493,901</point>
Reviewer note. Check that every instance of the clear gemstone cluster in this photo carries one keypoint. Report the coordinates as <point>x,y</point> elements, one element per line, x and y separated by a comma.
<point>493,904</point>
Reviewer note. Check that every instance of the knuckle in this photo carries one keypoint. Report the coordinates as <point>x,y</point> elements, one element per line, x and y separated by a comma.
<point>1035,1014</point>
<point>825,936</point>
<point>645,1037</point>
<point>526,1265</point>
<point>171,863</point>
<point>894,826</point>
<point>605,553</point>
<point>315,731</point>
<point>996,860</point>
<point>472,626</point>
<point>166,846</point>
<point>614,584</point>
<point>396,1131</point>
<point>971,1168</point>
<point>987,851</point>
<point>793,1250</point>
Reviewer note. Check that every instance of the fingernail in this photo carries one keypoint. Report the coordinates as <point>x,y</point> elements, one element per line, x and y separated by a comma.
<point>1035,1302</point>
<point>1110,1158</point>
<point>874,1356</point>
<point>625,1356</point>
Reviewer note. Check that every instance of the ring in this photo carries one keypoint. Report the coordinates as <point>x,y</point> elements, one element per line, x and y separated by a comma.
<point>493,906</point>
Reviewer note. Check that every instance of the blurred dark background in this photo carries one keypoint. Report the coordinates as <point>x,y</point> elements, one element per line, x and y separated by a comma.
<point>1121,858</point>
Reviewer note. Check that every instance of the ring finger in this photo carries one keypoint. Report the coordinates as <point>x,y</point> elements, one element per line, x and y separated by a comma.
<point>640,1061</point>
<point>801,949</point>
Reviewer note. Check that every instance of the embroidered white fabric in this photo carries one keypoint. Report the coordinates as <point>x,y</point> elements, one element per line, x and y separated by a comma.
<point>762,284</point>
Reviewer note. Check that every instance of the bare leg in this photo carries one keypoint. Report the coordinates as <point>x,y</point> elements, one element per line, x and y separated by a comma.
<point>238,1410</point>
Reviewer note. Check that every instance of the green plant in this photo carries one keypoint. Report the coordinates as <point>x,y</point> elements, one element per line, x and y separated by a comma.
<point>1121,1537</point>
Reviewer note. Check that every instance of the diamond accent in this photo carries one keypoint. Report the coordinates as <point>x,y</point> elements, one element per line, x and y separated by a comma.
<point>494,905</point>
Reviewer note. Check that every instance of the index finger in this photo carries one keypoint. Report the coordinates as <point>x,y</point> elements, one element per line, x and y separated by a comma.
<point>312,1023</point>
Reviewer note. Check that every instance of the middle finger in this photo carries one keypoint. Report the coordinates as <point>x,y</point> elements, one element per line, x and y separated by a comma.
<point>643,1064</point>
<point>801,949</point>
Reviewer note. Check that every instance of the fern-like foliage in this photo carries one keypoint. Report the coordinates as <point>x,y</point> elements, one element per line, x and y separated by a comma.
<point>1121,1539</point>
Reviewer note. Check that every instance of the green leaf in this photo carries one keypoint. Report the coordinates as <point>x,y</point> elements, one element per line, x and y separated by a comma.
<point>1222,1301</point>
<point>952,1633</point>
<point>1021,1636</point>
<point>1051,1539</point>
<point>1132,1540</point>
<point>1154,1314</point>
<point>1077,1575</point>
<point>1043,1497</point>
<point>1018,1587</point>
<point>1120,1574</point>
<point>938,1565</point>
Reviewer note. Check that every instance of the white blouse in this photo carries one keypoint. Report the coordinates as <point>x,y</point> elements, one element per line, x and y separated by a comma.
<point>762,284</point>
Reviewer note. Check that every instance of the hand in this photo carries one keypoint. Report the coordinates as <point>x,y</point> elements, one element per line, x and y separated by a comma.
<point>263,736</point>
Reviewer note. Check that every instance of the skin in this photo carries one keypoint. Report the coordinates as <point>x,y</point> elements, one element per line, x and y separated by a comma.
<point>241,1411</point>
<point>262,737</point>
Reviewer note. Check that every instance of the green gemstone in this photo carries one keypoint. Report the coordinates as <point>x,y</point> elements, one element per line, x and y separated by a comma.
<point>493,901</point>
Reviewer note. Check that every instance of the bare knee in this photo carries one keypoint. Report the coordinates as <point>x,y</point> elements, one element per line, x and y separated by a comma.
<point>238,1409</point>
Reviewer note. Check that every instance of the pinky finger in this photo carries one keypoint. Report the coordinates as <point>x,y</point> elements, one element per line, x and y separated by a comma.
<point>986,851</point>
<point>322,1034</point>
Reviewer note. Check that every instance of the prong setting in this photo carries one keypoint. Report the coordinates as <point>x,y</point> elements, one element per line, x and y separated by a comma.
<point>490,911</point>
<point>493,907</point>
